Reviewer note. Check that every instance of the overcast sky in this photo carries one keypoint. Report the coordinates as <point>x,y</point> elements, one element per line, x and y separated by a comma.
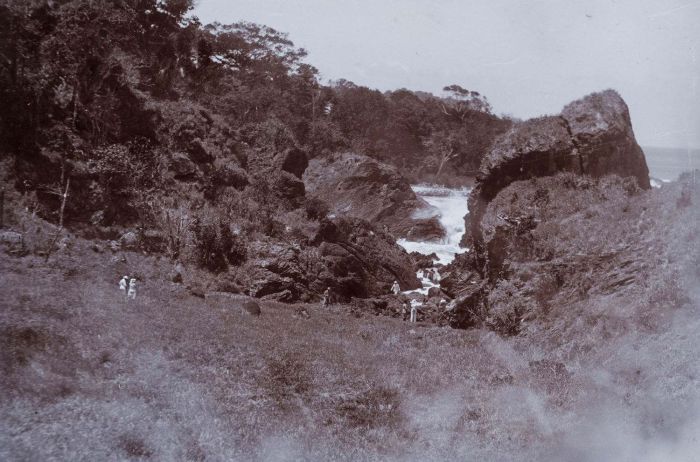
<point>528,57</point>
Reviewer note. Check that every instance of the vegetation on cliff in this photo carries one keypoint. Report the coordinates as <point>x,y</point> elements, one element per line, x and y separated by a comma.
<point>604,367</point>
<point>195,137</point>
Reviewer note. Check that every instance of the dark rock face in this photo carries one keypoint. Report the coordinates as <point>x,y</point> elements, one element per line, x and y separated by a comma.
<point>428,229</point>
<point>347,255</point>
<point>601,130</point>
<point>423,261</point>
<point>199,152</point>
<point>361,262</point>
<point>592,136</point>
<point>275,273</point>
<point>359,186</point>
<point>538,173</point>
<point>294,161</point>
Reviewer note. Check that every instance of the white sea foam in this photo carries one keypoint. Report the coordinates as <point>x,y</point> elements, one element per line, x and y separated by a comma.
<point>451,206</point>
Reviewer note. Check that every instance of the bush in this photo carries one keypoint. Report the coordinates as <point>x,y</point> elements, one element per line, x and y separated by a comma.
<point>508,307</point>
<point>215,246</point>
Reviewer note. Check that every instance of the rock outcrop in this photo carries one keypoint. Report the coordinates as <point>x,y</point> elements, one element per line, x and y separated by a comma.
<point>592,136</point>
<point>536,177</point>
<point>348,255</point>
<point>355,185</point>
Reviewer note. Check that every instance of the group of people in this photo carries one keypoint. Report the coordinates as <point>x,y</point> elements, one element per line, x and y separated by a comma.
<point>409,306</point>
<point>128,287</point>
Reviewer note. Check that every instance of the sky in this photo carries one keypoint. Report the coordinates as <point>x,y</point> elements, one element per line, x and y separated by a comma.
<point>529,57</point>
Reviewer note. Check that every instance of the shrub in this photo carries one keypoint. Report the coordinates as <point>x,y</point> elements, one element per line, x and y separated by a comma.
<point>508,307</point>
<point>215,246</point>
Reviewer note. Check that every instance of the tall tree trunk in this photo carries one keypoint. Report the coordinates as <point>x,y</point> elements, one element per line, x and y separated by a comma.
<point>445,157</point>
<point>60,222</point>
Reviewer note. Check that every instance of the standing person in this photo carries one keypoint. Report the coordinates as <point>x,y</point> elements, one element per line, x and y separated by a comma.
<point>405,309</point>
<point>124,284</point>
<point>414,312</point>
<point>132,289</point>
<point>395,288</point>
<point>326,298</point>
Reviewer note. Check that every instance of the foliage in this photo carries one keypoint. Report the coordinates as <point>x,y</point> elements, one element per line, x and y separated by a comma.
<point>215,245</point>
<point>182,129</point>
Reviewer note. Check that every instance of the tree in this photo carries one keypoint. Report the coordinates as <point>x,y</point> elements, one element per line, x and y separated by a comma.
<point>461,101</point>
<point>445,146</point>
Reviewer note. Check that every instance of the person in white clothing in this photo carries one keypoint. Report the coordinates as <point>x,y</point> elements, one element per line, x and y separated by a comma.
<point>132,289</point>
<point>124,284</point>
<point>414,312</point>
<point>395,288</point>
<point>326,298</point>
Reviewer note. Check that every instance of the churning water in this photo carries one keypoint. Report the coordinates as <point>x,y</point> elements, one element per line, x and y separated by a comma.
<point>450,205</point>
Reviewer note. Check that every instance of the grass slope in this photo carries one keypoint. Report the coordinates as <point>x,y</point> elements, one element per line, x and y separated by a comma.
<point>88,376</point>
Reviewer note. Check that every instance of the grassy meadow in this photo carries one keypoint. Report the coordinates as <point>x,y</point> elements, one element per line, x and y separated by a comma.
<point>612,375</point>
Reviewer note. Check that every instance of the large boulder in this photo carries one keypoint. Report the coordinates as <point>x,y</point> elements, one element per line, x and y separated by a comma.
<point>276,271</point>
<point>592,136</point>
<point>359,261</point>
<point>290,159</point>
<point>348,255</point>
<point>533,184</point>
<point>293,161</point>
<point>358,186</point>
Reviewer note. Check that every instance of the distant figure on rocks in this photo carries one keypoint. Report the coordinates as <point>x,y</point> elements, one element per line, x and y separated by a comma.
<point>405,309</point>
<point>395,288</point>
<point>414,312</point>
<point>443,304</point>
<point>124,284</point>
<point>132,289</point>
<point>326,299</point>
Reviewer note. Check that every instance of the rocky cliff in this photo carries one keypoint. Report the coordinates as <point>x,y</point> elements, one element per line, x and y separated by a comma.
<point>542,177</point>
<point>355,185</point>
<point>348,255</point>
<point>592,136</point>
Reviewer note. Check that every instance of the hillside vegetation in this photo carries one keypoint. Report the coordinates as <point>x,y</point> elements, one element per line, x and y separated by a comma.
<point>191,140</point>
<point>136,141</point>
<point>609,375</point>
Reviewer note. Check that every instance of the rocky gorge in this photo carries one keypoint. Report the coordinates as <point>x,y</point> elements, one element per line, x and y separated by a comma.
<point>542,184</point>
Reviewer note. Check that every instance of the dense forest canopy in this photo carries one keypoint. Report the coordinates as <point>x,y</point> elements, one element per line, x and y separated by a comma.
<point>77,75</point>
<point>151,114</point>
